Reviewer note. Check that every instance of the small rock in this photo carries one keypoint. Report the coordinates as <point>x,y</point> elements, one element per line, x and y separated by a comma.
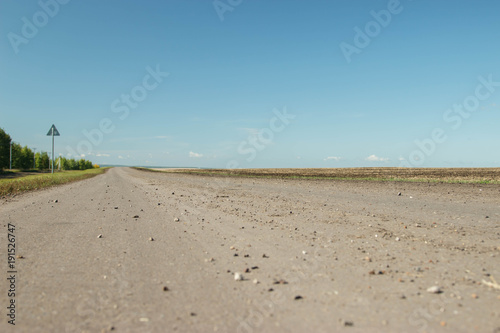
<point>255,281</point>
<point>265,256</point>
<point>231,247</point>
<point>348,323</point>
<point>298,297</point>
<point>176,219</point>
<point>397,239</point>
<point>399,194</point>
<point>280,281</point>
<point>192,314</point>
<point>304,252</point>
<point>238,276</point>
<point>56,201</point>
<point>474,296</point>
<point>151,239</point>
<point>136,216</point>
<point>116,207</point>
<point>434,290</point>
<point>99,236</point>
<point>165,288</point>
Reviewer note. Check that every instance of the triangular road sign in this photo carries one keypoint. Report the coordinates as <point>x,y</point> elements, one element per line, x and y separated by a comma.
<point>53,131</point>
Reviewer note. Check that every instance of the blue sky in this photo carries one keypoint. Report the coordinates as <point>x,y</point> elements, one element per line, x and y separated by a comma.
<point>255,83</point>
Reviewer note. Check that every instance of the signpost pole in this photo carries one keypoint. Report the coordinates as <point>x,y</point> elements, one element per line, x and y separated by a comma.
<point>53,132</point>
<point>52,151</point>
<point>10,163</point>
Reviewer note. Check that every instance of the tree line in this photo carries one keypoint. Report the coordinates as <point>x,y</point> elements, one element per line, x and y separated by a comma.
<point>25,158</point>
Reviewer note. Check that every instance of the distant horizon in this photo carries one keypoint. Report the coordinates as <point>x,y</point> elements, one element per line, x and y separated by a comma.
<point>206,168</point>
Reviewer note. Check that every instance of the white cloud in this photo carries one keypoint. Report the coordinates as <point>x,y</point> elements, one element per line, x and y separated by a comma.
<point>105,155</point>
<point>374,158</point>
<point>332,158</point>
<point>120,156</point>
<point>195,155</point>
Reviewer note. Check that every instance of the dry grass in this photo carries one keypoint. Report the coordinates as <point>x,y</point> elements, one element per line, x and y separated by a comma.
<point>35,182</point>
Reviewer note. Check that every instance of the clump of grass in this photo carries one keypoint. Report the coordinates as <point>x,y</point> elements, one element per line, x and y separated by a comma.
<point>35,182</point>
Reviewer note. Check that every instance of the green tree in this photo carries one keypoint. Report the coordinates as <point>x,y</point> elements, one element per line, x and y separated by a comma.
<point>26,158</point>
<point>42,161</point>
<point>4,149</point>
<point>16,156</point>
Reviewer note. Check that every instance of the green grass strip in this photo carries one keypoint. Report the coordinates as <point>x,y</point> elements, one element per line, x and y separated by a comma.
<point>35,182</point>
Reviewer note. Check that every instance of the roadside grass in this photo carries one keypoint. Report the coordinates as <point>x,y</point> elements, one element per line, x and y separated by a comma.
<point>298,176</point>
<point>35,182</point>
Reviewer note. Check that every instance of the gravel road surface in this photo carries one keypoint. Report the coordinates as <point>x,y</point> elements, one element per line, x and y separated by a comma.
<point>137,251</point>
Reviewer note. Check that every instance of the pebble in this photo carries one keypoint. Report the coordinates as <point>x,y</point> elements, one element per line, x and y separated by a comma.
<point>397,239</point>
<point>100,236</point>
<point>151,239</point>
<point>176,219</point>
<point>255,281</point>
<point>434,290</point>
<point>136,216</point>
<point>298,297</point>
<point>238,276</point>
<point>399,194</point>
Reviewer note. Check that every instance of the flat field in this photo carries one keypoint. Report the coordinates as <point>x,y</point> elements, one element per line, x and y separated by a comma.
<point>476,175</point>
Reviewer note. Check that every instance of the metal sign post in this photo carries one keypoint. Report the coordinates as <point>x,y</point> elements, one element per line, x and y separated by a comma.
<point>53,132</point>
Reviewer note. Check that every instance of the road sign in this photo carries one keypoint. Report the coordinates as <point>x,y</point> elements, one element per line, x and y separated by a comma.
<point>53,131</point>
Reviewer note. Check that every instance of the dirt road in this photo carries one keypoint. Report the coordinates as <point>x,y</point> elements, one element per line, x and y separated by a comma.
<point>134,251</point>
